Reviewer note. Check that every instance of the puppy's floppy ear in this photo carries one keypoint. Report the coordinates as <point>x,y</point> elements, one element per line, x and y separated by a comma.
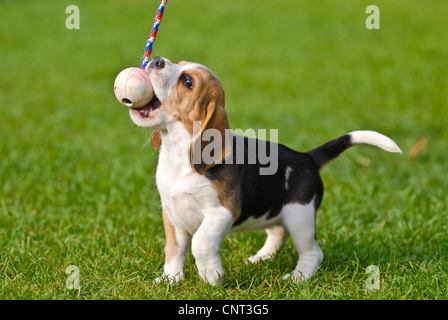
<point>156,140</point>
<point>215,141</point>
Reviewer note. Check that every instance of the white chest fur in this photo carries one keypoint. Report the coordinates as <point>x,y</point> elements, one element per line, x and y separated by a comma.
<point>186,195</point>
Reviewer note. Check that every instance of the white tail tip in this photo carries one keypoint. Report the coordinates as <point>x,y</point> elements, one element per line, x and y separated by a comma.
<point>375,139</point>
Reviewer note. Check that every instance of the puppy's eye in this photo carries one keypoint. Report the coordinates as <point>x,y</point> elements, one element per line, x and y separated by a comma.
<point>187,81</point>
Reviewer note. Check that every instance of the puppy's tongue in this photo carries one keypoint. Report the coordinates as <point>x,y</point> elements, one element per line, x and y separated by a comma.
<point>151,106</point>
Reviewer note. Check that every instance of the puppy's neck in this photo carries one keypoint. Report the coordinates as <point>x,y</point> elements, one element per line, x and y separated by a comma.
<point>176,144</point>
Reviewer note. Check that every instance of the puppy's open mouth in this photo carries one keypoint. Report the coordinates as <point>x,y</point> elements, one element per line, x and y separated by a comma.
<point>150,107</point>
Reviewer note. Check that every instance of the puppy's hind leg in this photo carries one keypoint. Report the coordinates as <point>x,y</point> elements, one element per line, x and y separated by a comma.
<point>274,242</point>
<point>300,221</point>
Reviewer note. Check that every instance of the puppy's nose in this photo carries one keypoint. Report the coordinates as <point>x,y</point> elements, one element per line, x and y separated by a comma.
<point>158,63</point>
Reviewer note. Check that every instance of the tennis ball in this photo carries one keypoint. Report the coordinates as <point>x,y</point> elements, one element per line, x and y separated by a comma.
<point>133,88</point>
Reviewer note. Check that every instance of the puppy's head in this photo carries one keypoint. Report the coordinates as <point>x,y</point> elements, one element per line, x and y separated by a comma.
<point>186,92</point>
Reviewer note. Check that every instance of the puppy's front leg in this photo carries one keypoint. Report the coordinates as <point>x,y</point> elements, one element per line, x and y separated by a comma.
<point>177,241</point>
<point>206,241</point>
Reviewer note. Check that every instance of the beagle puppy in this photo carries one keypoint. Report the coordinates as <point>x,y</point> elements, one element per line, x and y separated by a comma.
<point>203,201</point>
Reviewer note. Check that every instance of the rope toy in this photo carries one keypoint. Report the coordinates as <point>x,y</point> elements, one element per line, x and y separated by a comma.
<point>132,86</point>
<point>152,37</point>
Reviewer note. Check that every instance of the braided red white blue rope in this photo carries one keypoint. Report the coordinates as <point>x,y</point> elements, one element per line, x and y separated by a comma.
<point>152,37</point>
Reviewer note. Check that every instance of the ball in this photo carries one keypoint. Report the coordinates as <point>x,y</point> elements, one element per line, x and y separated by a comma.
<point>133,88</point>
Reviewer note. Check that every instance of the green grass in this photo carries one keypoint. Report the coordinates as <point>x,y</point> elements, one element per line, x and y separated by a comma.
<point>77,177</point>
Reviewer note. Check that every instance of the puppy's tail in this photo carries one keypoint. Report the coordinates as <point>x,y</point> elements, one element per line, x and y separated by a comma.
<point>333,148</point>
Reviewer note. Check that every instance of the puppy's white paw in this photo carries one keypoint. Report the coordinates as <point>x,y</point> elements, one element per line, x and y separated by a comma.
<point>253,259</point>
<point>258,258</point>
<point>169,278</point>
<point>297,276</point>
<point>213,276</point>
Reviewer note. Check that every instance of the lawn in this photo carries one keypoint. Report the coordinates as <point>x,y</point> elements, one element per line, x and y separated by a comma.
<point>77,180</point>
